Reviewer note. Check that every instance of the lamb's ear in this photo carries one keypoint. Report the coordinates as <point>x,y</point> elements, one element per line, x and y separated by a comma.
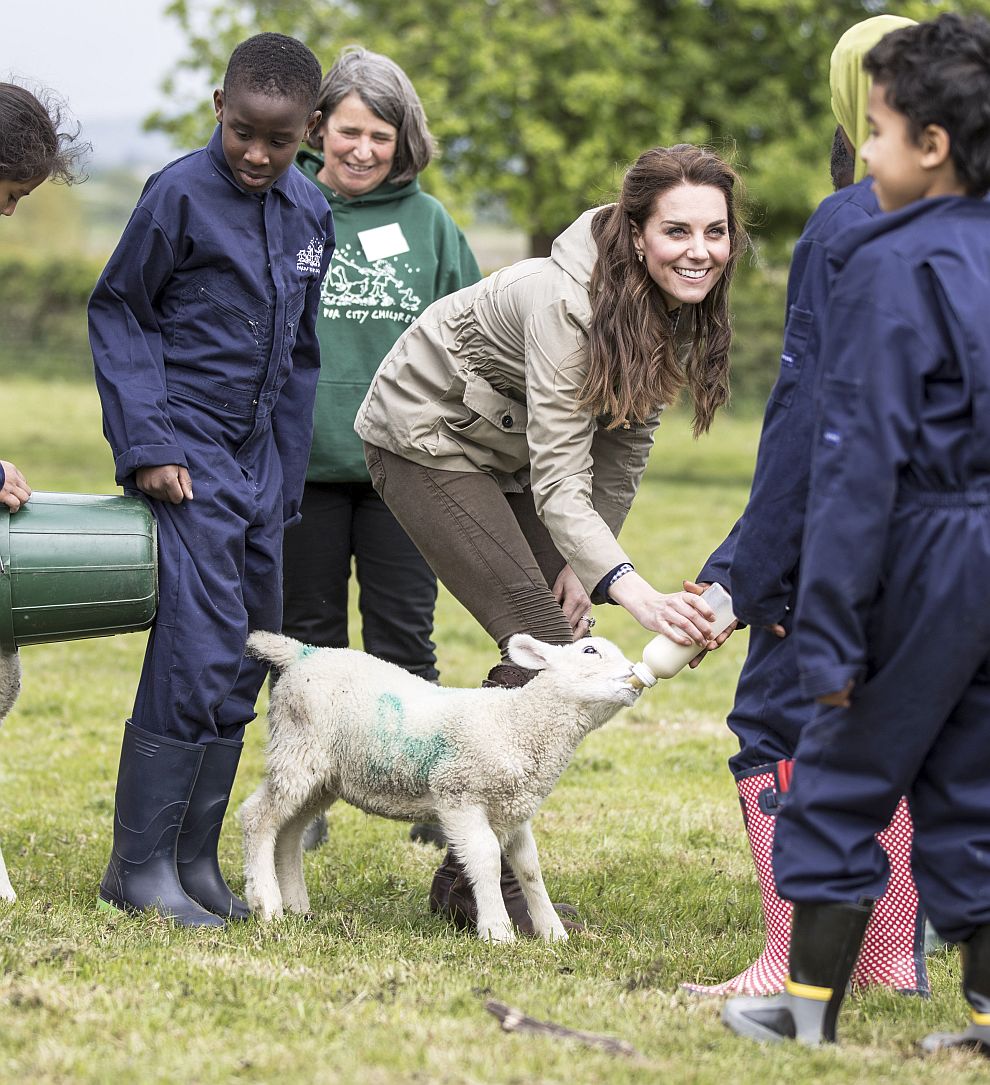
<point>528,652</point>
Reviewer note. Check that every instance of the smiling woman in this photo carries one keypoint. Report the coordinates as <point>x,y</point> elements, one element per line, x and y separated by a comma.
<point>509,428</point>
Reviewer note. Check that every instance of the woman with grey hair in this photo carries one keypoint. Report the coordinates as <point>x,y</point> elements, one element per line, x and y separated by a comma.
<point>397,251</point>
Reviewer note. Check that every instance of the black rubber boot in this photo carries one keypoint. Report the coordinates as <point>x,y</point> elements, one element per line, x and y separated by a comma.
<point>196,856</point>
<point>315,834</point>
<point>825,943</point>
<point>425,832</point>
<point>155,779</point>
<point>975,953</point>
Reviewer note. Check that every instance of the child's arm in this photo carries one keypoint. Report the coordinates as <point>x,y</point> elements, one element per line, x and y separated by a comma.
<point>871,402</point>
<point>127,349</point>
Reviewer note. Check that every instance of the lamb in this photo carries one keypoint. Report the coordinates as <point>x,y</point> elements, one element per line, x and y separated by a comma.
<point>477,761</point>
<point>10,686</point>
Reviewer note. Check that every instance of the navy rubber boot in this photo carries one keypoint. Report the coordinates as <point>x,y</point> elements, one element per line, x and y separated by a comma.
<point>975,953</point>
<point>825,944</point>
<point>196,857</point>
<point>155,779</point>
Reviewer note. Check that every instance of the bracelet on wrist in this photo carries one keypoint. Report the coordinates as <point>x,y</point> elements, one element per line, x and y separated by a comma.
<point>619,573</point>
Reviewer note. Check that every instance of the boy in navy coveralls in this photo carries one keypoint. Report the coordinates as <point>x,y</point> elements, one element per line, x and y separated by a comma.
<point>203,335</point>
<point>893,614</point>
<point>760,561</point>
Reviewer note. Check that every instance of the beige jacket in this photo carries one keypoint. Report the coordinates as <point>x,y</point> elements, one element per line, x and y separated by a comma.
<point>488,378</point>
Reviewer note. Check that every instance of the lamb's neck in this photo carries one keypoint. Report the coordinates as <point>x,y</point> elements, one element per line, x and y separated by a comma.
<point>549,719</point>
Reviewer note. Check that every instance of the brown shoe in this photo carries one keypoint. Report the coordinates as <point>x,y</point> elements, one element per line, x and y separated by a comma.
<point>446,874</point>
<point>452,897</point>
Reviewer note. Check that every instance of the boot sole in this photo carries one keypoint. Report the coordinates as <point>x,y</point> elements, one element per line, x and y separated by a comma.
<point>119,909</point>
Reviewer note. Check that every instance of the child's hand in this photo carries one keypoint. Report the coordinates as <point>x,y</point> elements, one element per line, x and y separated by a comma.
<point>839,699</point>
<point>698,589</point>
<point>169,482</point>
<point>15,488</point>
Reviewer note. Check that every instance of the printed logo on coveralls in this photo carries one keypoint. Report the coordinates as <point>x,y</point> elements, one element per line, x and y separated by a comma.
<point>308,260</point>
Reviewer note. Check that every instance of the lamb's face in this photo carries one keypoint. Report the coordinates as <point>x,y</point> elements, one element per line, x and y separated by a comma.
<point>592,669</point>
<point>598,671</point>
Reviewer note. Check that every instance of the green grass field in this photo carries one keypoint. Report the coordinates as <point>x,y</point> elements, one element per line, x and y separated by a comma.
<point>643,833</point>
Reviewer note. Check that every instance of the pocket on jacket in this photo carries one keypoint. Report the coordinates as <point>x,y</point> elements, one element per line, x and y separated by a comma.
<point>210,328</point>
<point>489,408</point>
<point>796,334</point>
<point>839,404</point>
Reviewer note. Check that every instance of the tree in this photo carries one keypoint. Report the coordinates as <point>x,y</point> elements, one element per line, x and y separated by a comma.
<point>539,105</point>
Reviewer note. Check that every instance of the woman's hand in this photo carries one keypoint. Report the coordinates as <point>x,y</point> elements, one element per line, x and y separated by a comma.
<point>683,616</point>
<point>15,489</point>
<point>573,599</point>
<point>169,482</point>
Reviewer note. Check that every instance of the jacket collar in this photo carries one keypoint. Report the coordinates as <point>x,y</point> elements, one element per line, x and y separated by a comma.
<point>215,150</point>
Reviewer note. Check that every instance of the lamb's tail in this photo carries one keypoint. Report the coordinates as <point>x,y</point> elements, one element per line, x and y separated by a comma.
<point>276,649</point>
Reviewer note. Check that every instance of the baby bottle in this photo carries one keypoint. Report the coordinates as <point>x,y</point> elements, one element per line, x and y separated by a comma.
<point>663,657</point>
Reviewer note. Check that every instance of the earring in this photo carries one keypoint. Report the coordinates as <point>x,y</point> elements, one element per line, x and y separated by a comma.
<point>639,255</point>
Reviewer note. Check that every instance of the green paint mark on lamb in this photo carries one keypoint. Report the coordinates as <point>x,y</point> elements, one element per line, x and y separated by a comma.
<point>400,757</point>
<point>307,650</point>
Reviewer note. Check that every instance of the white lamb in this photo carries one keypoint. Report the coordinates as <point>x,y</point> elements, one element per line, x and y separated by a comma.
<point>10,686</point>
<point>477,761</point>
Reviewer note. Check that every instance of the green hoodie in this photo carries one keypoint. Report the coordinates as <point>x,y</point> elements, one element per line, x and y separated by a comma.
<point>376,286</point>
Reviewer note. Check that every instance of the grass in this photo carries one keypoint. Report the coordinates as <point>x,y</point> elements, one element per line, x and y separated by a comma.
<point>643,834</point>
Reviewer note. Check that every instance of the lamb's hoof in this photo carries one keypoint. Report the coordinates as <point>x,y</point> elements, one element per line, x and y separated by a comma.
<point>555,935</point>
<point>497,934</point>
<point>265,911</point>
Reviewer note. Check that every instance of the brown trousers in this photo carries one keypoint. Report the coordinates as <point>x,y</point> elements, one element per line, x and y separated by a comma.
<point>489,549</point>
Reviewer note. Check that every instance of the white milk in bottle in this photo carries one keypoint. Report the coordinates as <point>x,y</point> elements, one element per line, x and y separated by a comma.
<point>663,657</point>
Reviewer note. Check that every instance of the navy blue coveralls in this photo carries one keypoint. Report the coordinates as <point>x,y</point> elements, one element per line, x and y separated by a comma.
<point>758,562</point>
<point>895,575</point>
<point>203,334</point>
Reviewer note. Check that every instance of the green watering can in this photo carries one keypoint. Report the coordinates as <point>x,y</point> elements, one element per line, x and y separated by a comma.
<point>75,566</point>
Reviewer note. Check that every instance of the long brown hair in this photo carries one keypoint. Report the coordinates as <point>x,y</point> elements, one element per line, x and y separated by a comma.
<point>634,367</point>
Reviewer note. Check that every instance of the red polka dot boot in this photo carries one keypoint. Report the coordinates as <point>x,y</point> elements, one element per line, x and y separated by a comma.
<point>893,952</point>
<point>759,796</point>
<point>893,948</point>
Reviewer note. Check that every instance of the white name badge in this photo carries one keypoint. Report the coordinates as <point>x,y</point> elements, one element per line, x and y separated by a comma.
<point>383,241</point>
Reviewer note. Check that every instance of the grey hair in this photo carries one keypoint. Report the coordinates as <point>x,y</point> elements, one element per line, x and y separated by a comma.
<point>386,90</point>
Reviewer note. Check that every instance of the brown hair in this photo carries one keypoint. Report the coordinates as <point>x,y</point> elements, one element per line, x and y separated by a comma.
<point>35,140</point>
<point>634,367</point>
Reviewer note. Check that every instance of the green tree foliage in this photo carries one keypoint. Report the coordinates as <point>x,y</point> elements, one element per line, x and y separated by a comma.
<point>540,104</point>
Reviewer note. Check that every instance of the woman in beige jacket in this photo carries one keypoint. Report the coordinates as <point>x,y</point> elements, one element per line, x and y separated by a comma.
<point>509,428</point>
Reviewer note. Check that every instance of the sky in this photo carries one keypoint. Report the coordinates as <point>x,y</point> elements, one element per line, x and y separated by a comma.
<point>107,58</point>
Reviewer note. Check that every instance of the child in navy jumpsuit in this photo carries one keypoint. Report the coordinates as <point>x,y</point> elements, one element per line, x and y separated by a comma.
<point>893,615</point>
<point>203,336</point>
<point>759,564</point>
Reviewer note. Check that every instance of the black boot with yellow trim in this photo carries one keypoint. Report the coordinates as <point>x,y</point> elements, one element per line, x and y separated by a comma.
<point>975,953</point>
<point>825,942</point>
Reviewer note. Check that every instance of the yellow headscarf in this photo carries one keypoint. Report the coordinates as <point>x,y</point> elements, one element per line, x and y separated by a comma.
<point>850,84</point>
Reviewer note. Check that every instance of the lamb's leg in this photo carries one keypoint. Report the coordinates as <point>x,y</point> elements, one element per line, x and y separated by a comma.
<point>289,855</point>
<point>520,850</point>
<point>6,889</point>
<point>478,849</point>
<point>260,821</point>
